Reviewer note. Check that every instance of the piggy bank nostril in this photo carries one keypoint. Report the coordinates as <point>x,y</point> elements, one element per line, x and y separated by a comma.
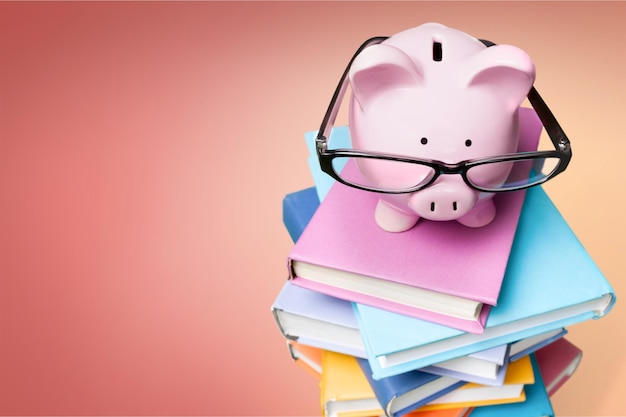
<point>454,206</point>
<point>437,52</point>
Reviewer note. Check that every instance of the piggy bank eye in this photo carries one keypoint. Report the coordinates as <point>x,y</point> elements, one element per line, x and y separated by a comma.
<point>423,141</point>
<point>468,143</point>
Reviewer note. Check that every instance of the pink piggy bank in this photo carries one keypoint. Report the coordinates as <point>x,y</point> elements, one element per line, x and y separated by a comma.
<point>436,93</point>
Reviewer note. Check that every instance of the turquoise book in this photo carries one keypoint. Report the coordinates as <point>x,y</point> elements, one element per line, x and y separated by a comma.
<point>340,138</point>
<point>551,282</point>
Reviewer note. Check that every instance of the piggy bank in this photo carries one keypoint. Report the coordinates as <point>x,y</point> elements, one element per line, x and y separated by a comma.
<point>436,93</point>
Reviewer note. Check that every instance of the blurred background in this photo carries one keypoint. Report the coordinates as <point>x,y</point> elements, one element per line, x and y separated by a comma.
<point>145,148</point>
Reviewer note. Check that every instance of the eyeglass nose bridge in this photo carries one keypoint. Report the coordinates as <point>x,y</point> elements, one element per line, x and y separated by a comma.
<point>441,168</point>
<point>449,169</point>
<point>460,168</point>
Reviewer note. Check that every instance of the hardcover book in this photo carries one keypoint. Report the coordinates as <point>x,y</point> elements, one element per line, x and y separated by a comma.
<point>318,320</point>
<point>537,403</point>
<point>298,207</point>
<point>487,367</point>
<point>450,412</point>
<point>519,375</point>
<point>307,357</point>
<point>541,292</point>
<point>442,272</point>
<point>531,344</point>
<point>395,393</point>
<point>558,361</point>
<point>554,367</point>
<point>345,391</point>
<point>407,392</point>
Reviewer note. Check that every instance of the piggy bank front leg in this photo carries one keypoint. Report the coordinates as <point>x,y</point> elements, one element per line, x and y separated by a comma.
<point>392,219</point>
<point>481,215</point>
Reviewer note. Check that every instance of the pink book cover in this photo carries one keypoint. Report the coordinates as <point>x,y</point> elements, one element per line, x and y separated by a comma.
<point>444,257</point>
<point>558,361</point>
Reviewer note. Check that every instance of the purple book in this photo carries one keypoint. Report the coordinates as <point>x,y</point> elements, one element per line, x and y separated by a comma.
<point>317,320</point>
<point>487,367</point>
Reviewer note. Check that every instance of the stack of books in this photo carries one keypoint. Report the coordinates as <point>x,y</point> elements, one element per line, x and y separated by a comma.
<point>441,320</point>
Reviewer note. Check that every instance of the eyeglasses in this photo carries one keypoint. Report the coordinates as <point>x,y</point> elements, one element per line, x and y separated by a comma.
<point>501,173</point>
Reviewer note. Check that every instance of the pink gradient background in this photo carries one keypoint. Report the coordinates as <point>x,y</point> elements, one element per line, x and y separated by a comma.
<point>144,152</point>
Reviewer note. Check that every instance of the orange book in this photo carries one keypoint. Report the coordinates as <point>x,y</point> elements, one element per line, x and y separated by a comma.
<point>307,357</point>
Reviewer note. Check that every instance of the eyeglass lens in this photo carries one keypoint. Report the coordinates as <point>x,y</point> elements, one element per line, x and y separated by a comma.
<point>382,174</point>
<point>509,175</point>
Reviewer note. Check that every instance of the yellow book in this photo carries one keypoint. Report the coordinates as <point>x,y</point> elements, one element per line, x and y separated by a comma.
<point>344,390</point>
<point>518,374</point>
<point>310,359</point>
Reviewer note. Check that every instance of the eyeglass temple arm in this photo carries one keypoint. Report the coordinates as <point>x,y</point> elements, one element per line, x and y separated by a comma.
<point>552,126</point>
<point>331,113</point>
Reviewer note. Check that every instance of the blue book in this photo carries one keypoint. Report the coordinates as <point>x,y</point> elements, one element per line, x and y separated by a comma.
<point>551,282</point>
<point>401,394</point>
<point>298,208</point>
<point>537,403</point>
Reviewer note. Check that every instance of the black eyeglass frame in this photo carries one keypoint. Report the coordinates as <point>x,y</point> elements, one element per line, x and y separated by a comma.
<point>556,134</point>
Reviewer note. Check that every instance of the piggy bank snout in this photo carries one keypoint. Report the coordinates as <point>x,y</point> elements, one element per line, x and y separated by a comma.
<point>446,199</point>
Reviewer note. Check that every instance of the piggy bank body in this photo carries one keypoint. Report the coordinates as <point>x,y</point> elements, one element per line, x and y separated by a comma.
<point>434,92</point>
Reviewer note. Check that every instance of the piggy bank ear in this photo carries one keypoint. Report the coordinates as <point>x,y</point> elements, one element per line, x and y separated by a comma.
<point>381,68</point>
<point>506,70</point>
